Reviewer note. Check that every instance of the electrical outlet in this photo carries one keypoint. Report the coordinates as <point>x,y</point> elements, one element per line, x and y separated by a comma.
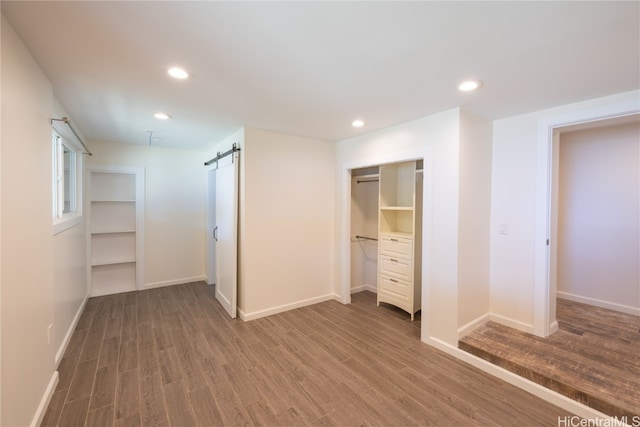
<point>503,228</point>
<point>50,334</point>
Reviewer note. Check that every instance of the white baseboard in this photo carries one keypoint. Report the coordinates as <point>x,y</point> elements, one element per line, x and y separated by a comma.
<point>72,328</point>
<point>46,398</point>
<point>175,282</point>
<point>515,324</point>
<point>599,303</point>
<point>570,405</point>
<point>365,287</point>
<point>285,307</point>
<point>474,324</point>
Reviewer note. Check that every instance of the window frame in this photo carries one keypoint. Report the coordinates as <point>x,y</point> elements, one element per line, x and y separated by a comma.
<point>61,140</point>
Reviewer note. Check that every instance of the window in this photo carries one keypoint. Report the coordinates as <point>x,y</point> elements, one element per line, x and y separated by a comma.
<point>66,183</point>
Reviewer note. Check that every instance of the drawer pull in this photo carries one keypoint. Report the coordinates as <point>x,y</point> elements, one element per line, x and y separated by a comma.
<point>394,240</point>
<point>393,260</point>
<point>393,280</point>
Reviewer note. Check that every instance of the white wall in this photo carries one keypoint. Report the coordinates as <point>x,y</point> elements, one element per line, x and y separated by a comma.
<point>364,222</point>
<point>175,208</point>
<point>287,205</point>
<point>435,137</point>
<point>599,216</point>
<point>27,240</point>
<point>474,218</point>
<point>513,203</point>
<point>69,275</point>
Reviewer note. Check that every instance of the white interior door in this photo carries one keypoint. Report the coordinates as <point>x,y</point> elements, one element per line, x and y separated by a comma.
<point>226,233</point>
<point>211,224</point>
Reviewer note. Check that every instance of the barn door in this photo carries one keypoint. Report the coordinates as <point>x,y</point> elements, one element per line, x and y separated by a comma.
<point>225,233</point>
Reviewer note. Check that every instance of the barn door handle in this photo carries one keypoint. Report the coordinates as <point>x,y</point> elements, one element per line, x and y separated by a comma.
<point>215,233</point>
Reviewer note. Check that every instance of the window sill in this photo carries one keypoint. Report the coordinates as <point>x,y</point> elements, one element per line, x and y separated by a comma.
<point>66,222</point>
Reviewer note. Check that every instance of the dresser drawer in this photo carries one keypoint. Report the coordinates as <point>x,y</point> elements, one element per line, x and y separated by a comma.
<point>397,287</point>
<point>396,246</point>
<point>397,267</point>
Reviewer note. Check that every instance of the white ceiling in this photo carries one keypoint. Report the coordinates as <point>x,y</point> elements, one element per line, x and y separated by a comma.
<point>310,68</point>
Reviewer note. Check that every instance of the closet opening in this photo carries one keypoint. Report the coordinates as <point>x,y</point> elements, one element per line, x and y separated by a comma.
<point>386,237</point>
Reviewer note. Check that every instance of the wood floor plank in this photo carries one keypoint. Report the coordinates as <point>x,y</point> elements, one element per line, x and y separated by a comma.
<point>128,357</point>
<point>178,405</point>
<point>82,383</point>
<point>104,389</point>
<point>205,407</point>
<point>127,394</point>
<point>74,414</point>
<point>148,358</point>
<point>153,407</point>
<point>169,365</point>
<point>110,352</point>
<point>100,417</point>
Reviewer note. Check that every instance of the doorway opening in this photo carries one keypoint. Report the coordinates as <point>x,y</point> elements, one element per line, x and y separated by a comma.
<point>595,214</point>
<point>545,249</point>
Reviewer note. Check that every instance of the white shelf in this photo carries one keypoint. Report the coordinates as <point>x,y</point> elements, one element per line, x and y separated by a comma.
<point>113,262</point>
<point>114,201</point>
<point>97,232</point>
<point>396,208</point>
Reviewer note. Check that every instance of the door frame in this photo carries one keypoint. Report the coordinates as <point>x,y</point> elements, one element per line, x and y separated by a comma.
<point>544,297</point>
<point>345,221</point>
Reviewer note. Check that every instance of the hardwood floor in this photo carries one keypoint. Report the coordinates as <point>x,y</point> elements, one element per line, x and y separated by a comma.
<point>172,357</point>
<point>594,357</point>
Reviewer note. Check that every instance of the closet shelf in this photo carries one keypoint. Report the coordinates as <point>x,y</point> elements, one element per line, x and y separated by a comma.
<point>396,208</point>
<point>101,263</point>
<point>95,232</point>
<point>114,201</point>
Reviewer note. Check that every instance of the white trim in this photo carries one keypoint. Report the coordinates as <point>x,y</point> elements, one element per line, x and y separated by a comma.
<point>46,398</point>
<point>175,282</point>
<point>363,288</point>
<point>564,402</point>
<point>599,303</point>
<point>474,324</point>
<point>66,222</point>
<point>544,298</point>
<point>515,324</point>
<point>72,328</point>
<point>285,307</point>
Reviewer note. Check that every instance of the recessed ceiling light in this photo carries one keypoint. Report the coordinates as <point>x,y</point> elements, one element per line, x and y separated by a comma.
<point>161,116</point>
<point>178,73</point>
<point>470,85</point>
<point>357,123</point>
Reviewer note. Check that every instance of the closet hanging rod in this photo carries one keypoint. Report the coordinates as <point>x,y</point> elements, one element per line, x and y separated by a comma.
<point>358,181</point>
<point>68,122</point>
<point>220,155</point>
<point>366,238</point>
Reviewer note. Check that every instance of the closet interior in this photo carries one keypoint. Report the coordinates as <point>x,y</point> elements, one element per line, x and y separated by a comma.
<point>386,233</point>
